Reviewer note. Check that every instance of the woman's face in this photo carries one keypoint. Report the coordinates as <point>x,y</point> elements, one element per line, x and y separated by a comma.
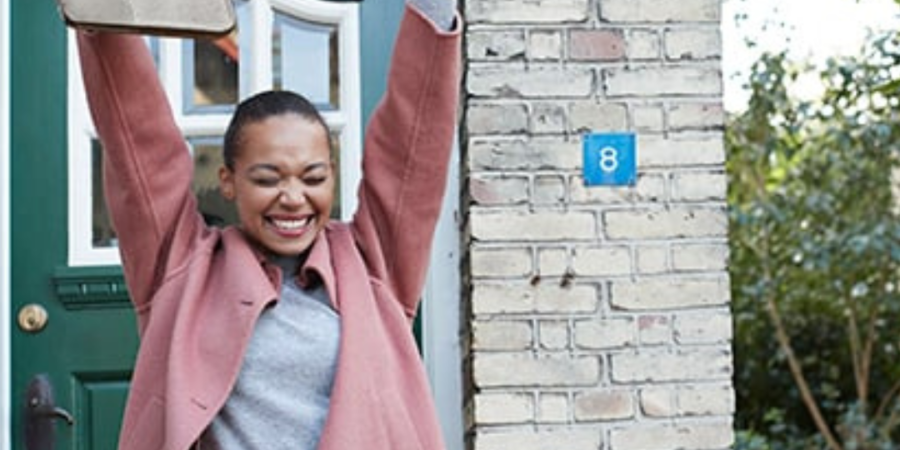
<point>282,182</point>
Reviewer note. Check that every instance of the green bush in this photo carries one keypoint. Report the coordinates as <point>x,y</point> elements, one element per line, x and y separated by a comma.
<point>815,246</point>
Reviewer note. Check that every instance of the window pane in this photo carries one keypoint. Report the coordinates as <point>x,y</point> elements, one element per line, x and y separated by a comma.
<point>211,74</point>
<point>102,232</point>
<point>216,210</point>
<point>207,160</point>
<point>306,60</point>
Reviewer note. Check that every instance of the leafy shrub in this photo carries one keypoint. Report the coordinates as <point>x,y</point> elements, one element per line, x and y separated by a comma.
<point>815,243</point>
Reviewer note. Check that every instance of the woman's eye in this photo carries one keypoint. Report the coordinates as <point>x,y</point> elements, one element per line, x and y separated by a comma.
<point>314,181</point>
<point>266,182</point>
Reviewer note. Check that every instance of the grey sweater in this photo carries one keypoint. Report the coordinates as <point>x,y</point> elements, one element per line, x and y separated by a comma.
<point>281,397</point>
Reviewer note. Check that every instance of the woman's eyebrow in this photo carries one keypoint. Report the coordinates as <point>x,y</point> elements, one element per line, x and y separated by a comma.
<point>315,166</point>
<point>265,167</point>
<point>274,168</point>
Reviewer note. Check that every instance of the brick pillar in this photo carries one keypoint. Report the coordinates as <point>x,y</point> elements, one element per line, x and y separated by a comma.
<point>598,317</point>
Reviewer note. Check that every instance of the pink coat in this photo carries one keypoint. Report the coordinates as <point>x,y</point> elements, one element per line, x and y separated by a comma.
<point>198,291</point>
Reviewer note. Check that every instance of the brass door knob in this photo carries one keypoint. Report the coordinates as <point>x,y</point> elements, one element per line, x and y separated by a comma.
<point>33,318</point>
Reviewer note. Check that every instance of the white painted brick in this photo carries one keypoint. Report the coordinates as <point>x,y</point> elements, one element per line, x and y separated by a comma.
<point>553,408</point>
<point>503,408</point>
<point>699,186</point>
<point>593,116</point>
<point>605,333</point>
<point>657,366</point>
<point>554,335</point>
<point>553,262</point>
<point>658,323</point>
<point>681,151</point>
<point>531,226</point>
<point>693,43</point>
<point>662,436</point>
<point>602,261</point>
<point>660,11</point>
<point>545,45</point>
<point>703,327</point>
<point>531,81</point>
<point>535,11</point>
<point>528,439</point>
<point>507,118</point>
<point>648,118</point>
<point>501,335</point>
<point>495,45</point>
<point>523,298</point>
<point>654,330</point>
<point>652,259</point>
<point>498,190</point>
<point>696,116</point>
<point>659,402</point>
<point>673,223</point>
<point>669,293</point>
<point>643,44</point>
<point>706,400</point>
<point>544,153</point>
<point>700,257</point>
<point>691,400</point>
<point>500,262</point>
<point>549,190</point>
<point>525,369</point>
<point>662,81</point>
<point>606,405</point>
<point>548,118</point>
<point>649,188</point>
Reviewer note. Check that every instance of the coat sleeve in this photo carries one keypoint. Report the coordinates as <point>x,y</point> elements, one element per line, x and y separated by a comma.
<point>147,168</point>
<point>406,156</point>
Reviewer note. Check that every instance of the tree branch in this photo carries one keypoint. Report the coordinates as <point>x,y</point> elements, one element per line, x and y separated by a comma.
<point>799,378</point>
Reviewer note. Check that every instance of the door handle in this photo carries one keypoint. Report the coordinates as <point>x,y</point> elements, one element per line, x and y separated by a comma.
<point>41,413</point>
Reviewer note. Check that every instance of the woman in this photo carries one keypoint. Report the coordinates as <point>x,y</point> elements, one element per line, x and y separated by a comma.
<point>288,331</point>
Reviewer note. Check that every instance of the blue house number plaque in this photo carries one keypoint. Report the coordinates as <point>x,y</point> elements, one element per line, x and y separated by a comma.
<point>610,159</point>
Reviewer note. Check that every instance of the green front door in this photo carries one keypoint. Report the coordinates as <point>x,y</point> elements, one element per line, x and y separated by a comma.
<point>88,344</point>
<point>89,341</point>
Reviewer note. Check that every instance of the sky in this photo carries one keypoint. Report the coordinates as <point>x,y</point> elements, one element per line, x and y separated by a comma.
<point>814,29</point>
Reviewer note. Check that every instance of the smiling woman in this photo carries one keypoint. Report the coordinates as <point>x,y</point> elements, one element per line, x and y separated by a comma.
<point>289,330</point>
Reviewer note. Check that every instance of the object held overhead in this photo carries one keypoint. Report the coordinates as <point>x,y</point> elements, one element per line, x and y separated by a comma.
<point>185,18</point>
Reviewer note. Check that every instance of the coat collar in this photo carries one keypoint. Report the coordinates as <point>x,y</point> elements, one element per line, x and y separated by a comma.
<point>318,266</point>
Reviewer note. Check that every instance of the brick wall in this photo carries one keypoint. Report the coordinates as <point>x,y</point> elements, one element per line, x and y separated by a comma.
<point>598,317</point>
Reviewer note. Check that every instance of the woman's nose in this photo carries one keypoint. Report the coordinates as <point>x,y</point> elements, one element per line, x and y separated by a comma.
<point>292,194</point>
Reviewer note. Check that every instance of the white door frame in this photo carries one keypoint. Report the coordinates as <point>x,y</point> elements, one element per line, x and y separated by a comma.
<point>5,300</point>
<point>441,314</point>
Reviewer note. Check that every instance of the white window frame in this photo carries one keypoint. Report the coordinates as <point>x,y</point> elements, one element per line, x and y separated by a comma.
<point>260,14</point>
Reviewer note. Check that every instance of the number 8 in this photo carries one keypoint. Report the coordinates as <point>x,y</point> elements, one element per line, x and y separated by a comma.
<point>608,159</point>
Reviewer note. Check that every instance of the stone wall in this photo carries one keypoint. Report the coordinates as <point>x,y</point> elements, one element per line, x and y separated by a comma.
<point>598,317</point>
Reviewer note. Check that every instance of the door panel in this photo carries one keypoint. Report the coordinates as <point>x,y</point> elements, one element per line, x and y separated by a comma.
<point>102,398</point>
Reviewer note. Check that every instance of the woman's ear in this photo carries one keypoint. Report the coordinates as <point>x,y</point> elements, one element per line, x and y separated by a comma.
<point>226,183</point>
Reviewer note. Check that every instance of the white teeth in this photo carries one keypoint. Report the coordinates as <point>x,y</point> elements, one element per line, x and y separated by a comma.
<point>291,224</point>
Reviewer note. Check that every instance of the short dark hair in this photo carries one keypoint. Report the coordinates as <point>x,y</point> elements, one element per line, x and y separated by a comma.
<point>262,106</point>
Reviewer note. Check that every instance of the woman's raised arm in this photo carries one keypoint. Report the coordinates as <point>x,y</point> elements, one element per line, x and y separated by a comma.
<point>147,167</point>
<point>406,156</point>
